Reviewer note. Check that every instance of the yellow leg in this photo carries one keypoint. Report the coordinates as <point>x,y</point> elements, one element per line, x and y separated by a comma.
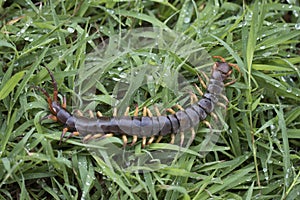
<point>199,90</point>
<point>194,98</point>
<point>172,138</point>
<point>151,140</point>
<point>181,138</point>
<point>170,110</point>
<point>99,114</point>
<point>144,141</point>
<point>135,137</point>
<point>159,139</point>
<point>91,114</point>
<point>124,138</point>
<point>96,136</point>
<point>87,137</point>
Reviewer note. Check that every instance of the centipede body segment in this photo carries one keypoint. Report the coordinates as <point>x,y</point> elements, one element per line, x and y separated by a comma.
<point>147,126</point>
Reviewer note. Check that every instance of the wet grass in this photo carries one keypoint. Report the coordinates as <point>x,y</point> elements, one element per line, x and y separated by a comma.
<point>256,157</point>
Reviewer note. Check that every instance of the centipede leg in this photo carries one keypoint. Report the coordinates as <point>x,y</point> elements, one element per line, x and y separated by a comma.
<point>229,83</point>
<point>198,90</point>
<point>99,114</point>
<point>214,116</point>
<point>144,139</point>
<point>194,98</point>
<point>224,97</point>
<point>235,66</point>
<point>207,124</point>
<point>64,131</point>
<point>52,117</point>
<point>170,110</point>
<point>124,137</point>
<point>87,137</point>
<point>193,134</point>
<point>64,104</point>
<point>135,137</point>
<point>152,137</point>
<point>158,114</point>
<point>181,133</point>
<point>159,139</point>
<point>78,113</point>
<point>91,114</point>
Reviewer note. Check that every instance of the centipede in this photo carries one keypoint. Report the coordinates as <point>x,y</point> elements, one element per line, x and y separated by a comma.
<point>148,128</point>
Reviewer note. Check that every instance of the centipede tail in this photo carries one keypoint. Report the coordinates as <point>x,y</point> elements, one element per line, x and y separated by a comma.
<point>146,126</point>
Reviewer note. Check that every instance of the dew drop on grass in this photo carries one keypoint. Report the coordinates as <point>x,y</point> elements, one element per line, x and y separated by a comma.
<point>297,26</point>
<point>265,169</point>
<point>186,20</point>
<point>289,90</point>
<point>70,30</point>
<point>262,47</point>
<point>267,54</point>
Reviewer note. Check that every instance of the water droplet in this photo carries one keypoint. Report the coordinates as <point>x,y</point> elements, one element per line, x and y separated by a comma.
<point>277,85</point>
<point>186,20</point>
<point>289,90</point>
<point>262,47</point>
<point>297,26</point>
<point>70,30</point>
<point>267,54</point>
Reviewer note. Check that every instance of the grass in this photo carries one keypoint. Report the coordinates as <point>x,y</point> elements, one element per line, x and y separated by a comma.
<point>256,157</point>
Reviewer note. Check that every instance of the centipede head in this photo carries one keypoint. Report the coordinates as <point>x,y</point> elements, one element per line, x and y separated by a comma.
<point>222,70</point>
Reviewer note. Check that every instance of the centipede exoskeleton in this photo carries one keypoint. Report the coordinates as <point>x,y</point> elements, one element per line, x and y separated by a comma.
<point>147,127</point>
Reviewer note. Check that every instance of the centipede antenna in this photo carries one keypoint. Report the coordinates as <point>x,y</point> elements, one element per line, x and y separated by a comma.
<point>54,83</point>
<point>220,58</point>
<point>49,100</point>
